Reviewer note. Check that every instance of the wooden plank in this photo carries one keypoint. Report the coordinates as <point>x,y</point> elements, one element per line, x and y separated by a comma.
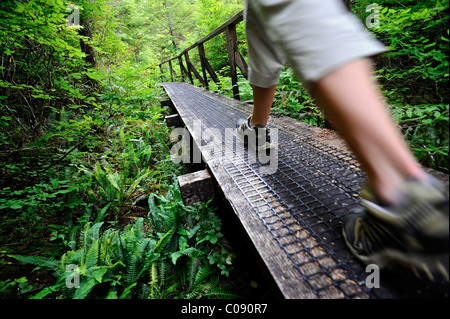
<point>239,17</point>
<point>188,69</point>
<point>162,72</point>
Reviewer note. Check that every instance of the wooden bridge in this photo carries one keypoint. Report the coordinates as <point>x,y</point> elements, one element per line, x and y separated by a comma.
<point>291,215</point>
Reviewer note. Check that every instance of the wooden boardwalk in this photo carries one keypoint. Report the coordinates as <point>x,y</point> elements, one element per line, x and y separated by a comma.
<point>292,215</point>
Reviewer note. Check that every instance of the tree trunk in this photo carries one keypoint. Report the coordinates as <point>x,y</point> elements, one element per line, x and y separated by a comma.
<point>85,47</point>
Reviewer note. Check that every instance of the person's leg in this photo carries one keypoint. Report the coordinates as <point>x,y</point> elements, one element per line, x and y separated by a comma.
<point>265,63</point>
<point>355,106</point>
<point>328,50</point>
<point>262,103</point>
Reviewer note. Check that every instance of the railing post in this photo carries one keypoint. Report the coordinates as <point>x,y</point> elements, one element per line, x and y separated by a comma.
<point>232,48</point>
<point>192,69</point>
<point>163,78</point>
<point>206,66</point>
<point>172,72</point>
<point>182,68</point>
<point>189,74</point>
<point>202,55</point>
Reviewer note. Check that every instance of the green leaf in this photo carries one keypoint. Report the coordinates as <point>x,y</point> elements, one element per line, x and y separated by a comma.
<point>163,241</point>
<point>48,290</point>
<point>127,291</point>
<point>99,273</point>
<point>92,255</point>
<point>102,213</point>
<point>112,294</point>
<point>85,288</point>
<point>37,261</point>
<point>113,178</point>
<point>175,256</point>
<point>15,205</point>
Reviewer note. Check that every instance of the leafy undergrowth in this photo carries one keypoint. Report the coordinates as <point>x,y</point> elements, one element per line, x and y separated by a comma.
<point>104,218</point>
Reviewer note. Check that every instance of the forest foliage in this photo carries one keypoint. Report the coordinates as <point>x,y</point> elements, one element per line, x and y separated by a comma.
<point>85,170</point>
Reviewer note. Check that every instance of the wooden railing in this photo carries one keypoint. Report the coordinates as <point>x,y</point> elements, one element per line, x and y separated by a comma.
<point>236,60</point>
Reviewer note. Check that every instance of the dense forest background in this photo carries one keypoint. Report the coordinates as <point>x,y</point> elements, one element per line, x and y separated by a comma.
<point>85,172</point>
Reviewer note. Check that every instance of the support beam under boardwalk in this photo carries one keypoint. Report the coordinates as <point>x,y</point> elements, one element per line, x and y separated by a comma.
<point>196,187</point>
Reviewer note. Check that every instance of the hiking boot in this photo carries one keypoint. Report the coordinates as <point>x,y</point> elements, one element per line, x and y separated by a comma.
<point>256,137</point>
<point>413,233</point>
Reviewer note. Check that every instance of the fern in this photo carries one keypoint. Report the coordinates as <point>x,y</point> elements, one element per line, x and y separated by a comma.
<point>129,264</point>
<point>132,271</point>
<point>92,254</point>
<point>139,228</point>
<point>164,240</point>
<point>201,275</point>
<point>40,262</point>
<point>221,293</point>
<point>101,215</point>
<point>127,291</point>
<point>47,291</point>
<point>162,272</point>
<point>154,281</point>
<point>85,288</point>
<point>192,270</point>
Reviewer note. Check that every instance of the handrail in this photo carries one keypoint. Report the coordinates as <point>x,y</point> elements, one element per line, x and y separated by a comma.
<point>234,20</point>
<point>235,57</point>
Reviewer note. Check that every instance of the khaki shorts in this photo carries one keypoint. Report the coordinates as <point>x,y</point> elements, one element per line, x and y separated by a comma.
<point>314,36</point>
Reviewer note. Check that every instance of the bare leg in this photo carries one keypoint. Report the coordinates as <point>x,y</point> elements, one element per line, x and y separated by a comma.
<point>354,104</point>
<point>262,102</point>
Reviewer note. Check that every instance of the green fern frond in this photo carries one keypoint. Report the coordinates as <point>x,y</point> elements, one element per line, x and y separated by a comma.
<point>72,257</point>
<point>221,293</point>
<point>193,266</point>
<point>153,281</point>
<point>92,254</point>
<point>94,232</point>
<point>127,291</point>
<point>86,287</point>
<point>132,269</point>
<point>163,241</point>
<point>139,228</point>
<point>106,254</point>
<point>47,291</point>
<point>201,275</point>
<point>84,236</point>
<point>163,268</point>
<point>38,261</point>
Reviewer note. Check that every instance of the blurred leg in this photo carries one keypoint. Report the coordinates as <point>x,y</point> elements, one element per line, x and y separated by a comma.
<point>354,104</point>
